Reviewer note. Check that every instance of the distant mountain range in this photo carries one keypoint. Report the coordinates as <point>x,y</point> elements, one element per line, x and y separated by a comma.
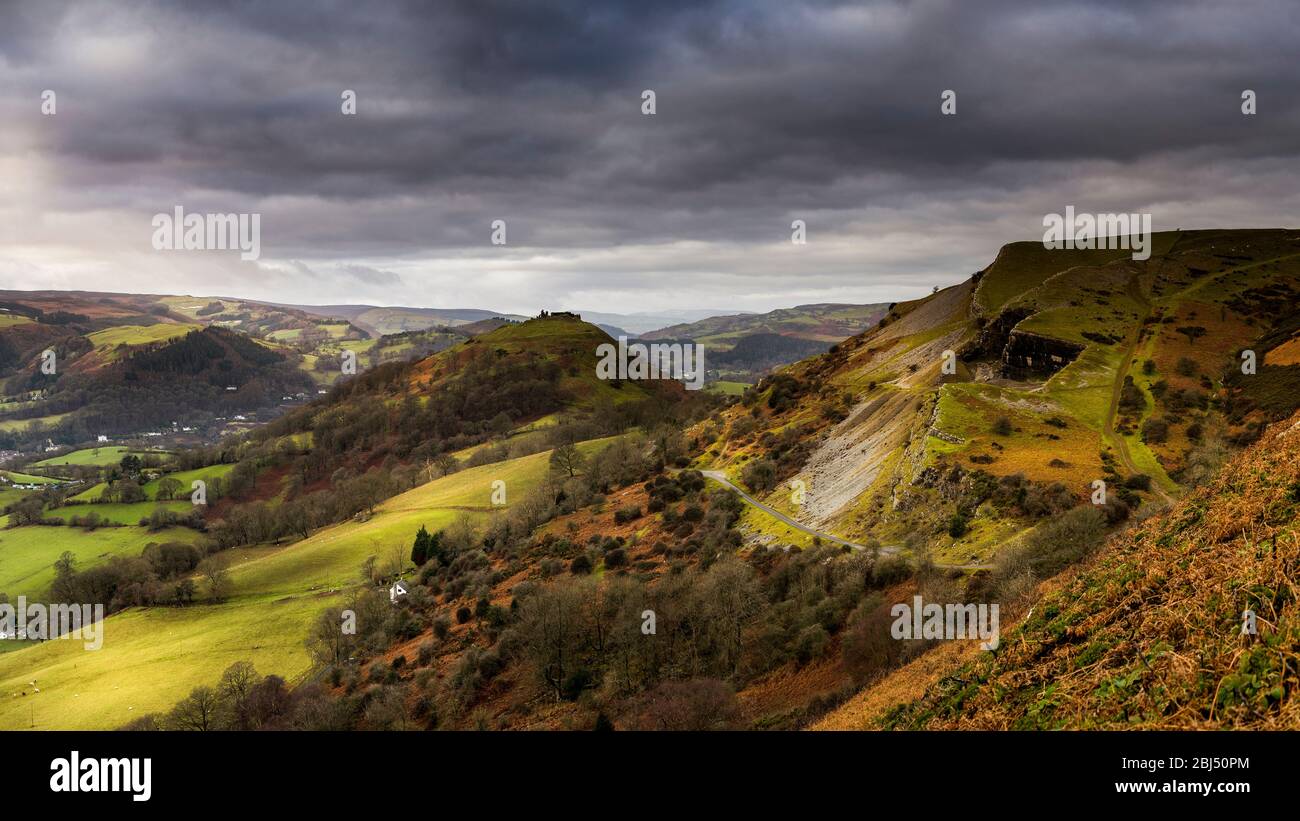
<point>92,333</point>
<point>827,322</point>
<point>747,346</point>
<point>379,320</point>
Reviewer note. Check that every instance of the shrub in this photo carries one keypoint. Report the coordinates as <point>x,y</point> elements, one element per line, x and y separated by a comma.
<point>442,626</point>
<point>760,475</point>
<point>627,514</point>
<point>1055,544</point>
<point>577,681</point>
<point>1155,431</point>
<point>698,704</point>
<point>1138,481</point>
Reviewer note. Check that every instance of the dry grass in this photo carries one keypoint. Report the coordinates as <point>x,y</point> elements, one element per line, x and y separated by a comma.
<point>1149,635</point>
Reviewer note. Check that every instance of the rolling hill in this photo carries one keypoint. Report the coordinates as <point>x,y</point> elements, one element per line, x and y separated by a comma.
<point>155,380</point>
<point>955,449</point>
<point>744,347</point>
<point>315,458</point>
<point>380,321</point>
<point>826,322</point>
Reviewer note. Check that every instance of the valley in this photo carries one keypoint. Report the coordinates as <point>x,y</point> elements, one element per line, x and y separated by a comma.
<point>534,511</point>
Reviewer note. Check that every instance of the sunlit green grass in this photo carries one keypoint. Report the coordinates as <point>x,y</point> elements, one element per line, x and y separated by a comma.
<point>27,554</point>
<point>152,657</point>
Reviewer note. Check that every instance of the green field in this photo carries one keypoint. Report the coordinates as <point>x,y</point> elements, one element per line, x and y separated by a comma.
<point>28,478</point>
<point>185,477</point>
<point>726,388</point>
<point>27,554</point>
<point>137,334</point>
<point>330,558</point>
<point>150,488</point>
<point>107,455</point>
<point>152,657</point>
<point>8,496</point>
<point>129,513</point>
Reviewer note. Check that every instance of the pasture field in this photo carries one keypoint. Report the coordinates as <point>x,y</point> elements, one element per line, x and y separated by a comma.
<point>727,388</point>
<point>109,338</point>
<point>99,457</point>
<point>128,513</point>
<point>28,478</point>
<point>150,488</point>
<point>27,554</point>
<point>152,657</point>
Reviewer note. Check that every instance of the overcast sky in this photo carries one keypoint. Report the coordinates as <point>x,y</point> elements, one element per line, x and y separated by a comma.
<point>530,112</point>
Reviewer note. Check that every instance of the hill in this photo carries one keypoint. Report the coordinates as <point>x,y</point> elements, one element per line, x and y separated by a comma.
<point>826,322</point>
<point>744,347</point>
<point>152,656</point>
<point>1061,371</point>
<point>90,331</point>
<point>318,508</point>
<point>136,382</point>
<point>1149,634</point>
<point>953,451</point>
<point>380,321</point>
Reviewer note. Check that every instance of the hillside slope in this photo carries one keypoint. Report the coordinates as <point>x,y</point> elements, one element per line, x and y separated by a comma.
<point>1150,633</point>
<point>744,347</point>
<point>827,322</point>
<point>1053,369</point>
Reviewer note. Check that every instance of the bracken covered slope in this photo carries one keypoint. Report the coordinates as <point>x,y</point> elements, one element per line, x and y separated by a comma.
<point>1150,635</point>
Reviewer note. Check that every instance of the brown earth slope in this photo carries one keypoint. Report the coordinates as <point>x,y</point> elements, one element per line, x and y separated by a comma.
<point>1150,633</point>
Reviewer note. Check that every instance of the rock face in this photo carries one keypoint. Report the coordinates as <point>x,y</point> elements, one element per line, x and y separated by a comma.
<point>993,336</point>
<point>1031,356</point>
<point>849,460</point>
<point>1019,354</point>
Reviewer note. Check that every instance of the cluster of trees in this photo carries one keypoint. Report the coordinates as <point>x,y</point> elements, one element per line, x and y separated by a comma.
<point>428,547</point>
<point>1042,553</point>
<point>1012,495</point>
<point>660,649</point>
<point>257,521</point>
<point>160,575</point>
<point>783,392</point>
<point>244,700</point>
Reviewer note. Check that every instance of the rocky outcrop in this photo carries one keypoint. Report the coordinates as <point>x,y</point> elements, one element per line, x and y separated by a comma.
<point>993,336</point>
<point>1033,356</point>
<point>950,438</point>
<point>1019,354</point>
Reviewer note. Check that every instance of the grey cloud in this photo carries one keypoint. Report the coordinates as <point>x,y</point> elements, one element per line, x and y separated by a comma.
<point>528,111</point>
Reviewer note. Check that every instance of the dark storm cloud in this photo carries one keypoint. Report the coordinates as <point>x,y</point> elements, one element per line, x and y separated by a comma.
<point>530,111</point>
